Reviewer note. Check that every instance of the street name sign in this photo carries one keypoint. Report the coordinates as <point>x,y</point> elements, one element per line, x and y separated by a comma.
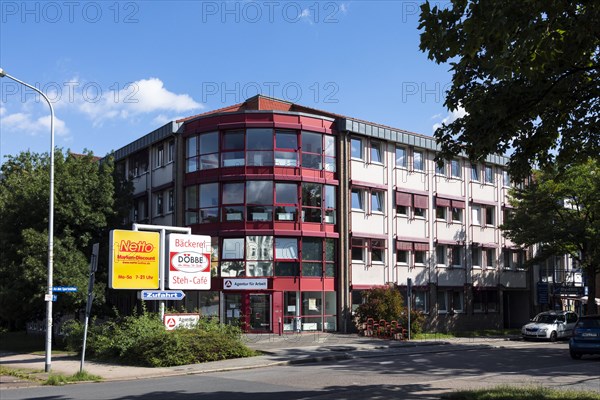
<point>64,289</point>
<point>162,295</point>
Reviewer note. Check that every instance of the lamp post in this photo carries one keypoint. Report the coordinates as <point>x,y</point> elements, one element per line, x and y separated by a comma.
<point>48,296</point>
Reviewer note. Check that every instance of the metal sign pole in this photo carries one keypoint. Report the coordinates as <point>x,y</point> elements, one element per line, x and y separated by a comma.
<point>90,298</point>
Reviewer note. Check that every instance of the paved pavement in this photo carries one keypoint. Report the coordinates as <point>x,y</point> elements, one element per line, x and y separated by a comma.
<point>276,350</point>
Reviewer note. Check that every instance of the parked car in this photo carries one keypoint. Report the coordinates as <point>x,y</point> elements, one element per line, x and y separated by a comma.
<point>550,325</point>
<point>586,337</point>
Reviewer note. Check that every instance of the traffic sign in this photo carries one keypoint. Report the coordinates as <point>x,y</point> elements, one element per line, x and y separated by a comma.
<point>64,289</point>
<point>162,295</point>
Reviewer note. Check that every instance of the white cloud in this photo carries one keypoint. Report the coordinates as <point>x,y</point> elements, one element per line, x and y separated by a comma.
<point>452,116</point>
<point>134,99</point>
<point>26,123</point>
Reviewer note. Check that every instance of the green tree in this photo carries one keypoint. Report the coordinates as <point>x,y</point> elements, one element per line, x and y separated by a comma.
<point>560,211</point>
<point>526,73</point>
<point>83,206</point>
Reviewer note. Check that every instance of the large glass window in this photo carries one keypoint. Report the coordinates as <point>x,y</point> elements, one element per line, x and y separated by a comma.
<point>286,201</point>
<point>286,148</point>
<point>209,202</point>
<point>312,150</point>
<point>233,200</point>
<point>259,198</point>
<point>312,257</point>
<point>232,257</point>
<point>356,148</point>
<point>259,147</point>
<point>209,150</point>
<point>259,255</point>
<point>233,149</point>
<point>311,202</point>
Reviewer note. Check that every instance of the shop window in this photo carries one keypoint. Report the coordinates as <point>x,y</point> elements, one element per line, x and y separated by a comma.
<point>209,150</point>
<point>312,310</point>
<point>286,148</point>
<point>401,158</point>
<point>356,148</point>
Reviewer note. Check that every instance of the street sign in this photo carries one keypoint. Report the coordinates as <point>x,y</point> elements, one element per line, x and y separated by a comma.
<point>173,321</point>
<point>162,295</point>
<point>64,289</point>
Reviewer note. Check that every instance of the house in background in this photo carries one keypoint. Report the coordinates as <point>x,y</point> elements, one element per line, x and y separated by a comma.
<point>308,209</point>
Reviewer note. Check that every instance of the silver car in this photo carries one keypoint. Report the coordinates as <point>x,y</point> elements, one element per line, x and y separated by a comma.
<point>550,325</point>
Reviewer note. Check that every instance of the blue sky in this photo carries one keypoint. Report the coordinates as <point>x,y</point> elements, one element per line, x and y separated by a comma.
<point>117,70</point>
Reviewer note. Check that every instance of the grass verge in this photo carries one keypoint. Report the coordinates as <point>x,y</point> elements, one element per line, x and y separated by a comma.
<point>522,393</point>
<point>59,379</point>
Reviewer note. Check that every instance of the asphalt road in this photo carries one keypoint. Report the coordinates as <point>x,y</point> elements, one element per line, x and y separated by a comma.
<point>378,374</point>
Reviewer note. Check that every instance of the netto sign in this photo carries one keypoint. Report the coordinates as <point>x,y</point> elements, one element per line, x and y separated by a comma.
<point>134,259</point>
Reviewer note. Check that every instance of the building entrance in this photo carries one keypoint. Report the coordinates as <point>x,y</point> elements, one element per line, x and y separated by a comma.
<point>250,311</point>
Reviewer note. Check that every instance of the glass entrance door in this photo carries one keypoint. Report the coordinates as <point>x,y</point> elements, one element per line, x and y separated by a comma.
<point>233,309</point>
<point>260,312</point>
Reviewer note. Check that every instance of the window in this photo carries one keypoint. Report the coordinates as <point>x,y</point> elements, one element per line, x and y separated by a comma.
<point>191,205</point>
<point>377,202</point>
<point>259,147</point>
<point>403,202</point>
<point>358,249</point>
<point>440,168</point>
<point>440,212</point>
<point>402,256</point>
<point>286,201</point>
<point>171,201</point>
<point>420,203</point>
<point>485,301</point>
<point>418,161</point>
<point>474,173</point>
<point>209,150</point>
<point>233,149</point>
<point>489,215</point>
<point>450,300</point>
<point>209,203</point>
<point>489,174</point>
<point>311,202</point>
<point>455,169</point>
<point>505,178</point>
<point>420,257</point>
<point>357,199</point>
<point>457,256</point>
<point>259,200</point>
<point>475,215</point>
<point>286,257</point>
<point>312,150</point>
<point>159,204</point>
<point>232,256</point>
<point>401,160</point>
<point>160,155</point>
<point>440,254</point>
<point>330,204</point>
<point>457,214</point>
<point>330,153</point>
<point>420,212</point>
<point>376,152</point>
<point>356,148</point>
<point>312,257</point>
<point>286,148</point>
<point>490,256</point>
<point>475,256</point>
<point>421,300</point>
<point>233,202</point>
<point>377,251</point>
<point>259,256</point>
<point>171,151</point>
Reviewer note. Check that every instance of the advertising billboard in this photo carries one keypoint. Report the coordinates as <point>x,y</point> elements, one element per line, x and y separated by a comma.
<point>189,262</point>
<point>134,259</point>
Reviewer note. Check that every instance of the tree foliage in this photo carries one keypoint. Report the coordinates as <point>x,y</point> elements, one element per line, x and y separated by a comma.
<point>83,206</point>
<point>560,212</point>
<point>526,73</point>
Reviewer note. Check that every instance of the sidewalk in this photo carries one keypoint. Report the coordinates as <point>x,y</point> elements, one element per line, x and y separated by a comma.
<point>276,350</point>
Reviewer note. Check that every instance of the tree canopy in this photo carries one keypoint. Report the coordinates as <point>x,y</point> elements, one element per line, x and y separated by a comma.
<point>527,75</point>
<point>84,191</point>
<point>559,211</point>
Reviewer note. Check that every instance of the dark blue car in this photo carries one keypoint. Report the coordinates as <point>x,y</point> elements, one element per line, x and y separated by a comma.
<point>586,337</point>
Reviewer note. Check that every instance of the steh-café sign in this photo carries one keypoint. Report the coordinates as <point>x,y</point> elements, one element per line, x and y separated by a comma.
<point>189,262</point>
<point>134,259</point>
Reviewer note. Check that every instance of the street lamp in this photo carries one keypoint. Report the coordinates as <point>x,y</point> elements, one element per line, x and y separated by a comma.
<point>48,296</point>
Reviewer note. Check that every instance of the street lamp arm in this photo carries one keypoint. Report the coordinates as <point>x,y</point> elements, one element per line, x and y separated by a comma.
<point>50,223</point>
